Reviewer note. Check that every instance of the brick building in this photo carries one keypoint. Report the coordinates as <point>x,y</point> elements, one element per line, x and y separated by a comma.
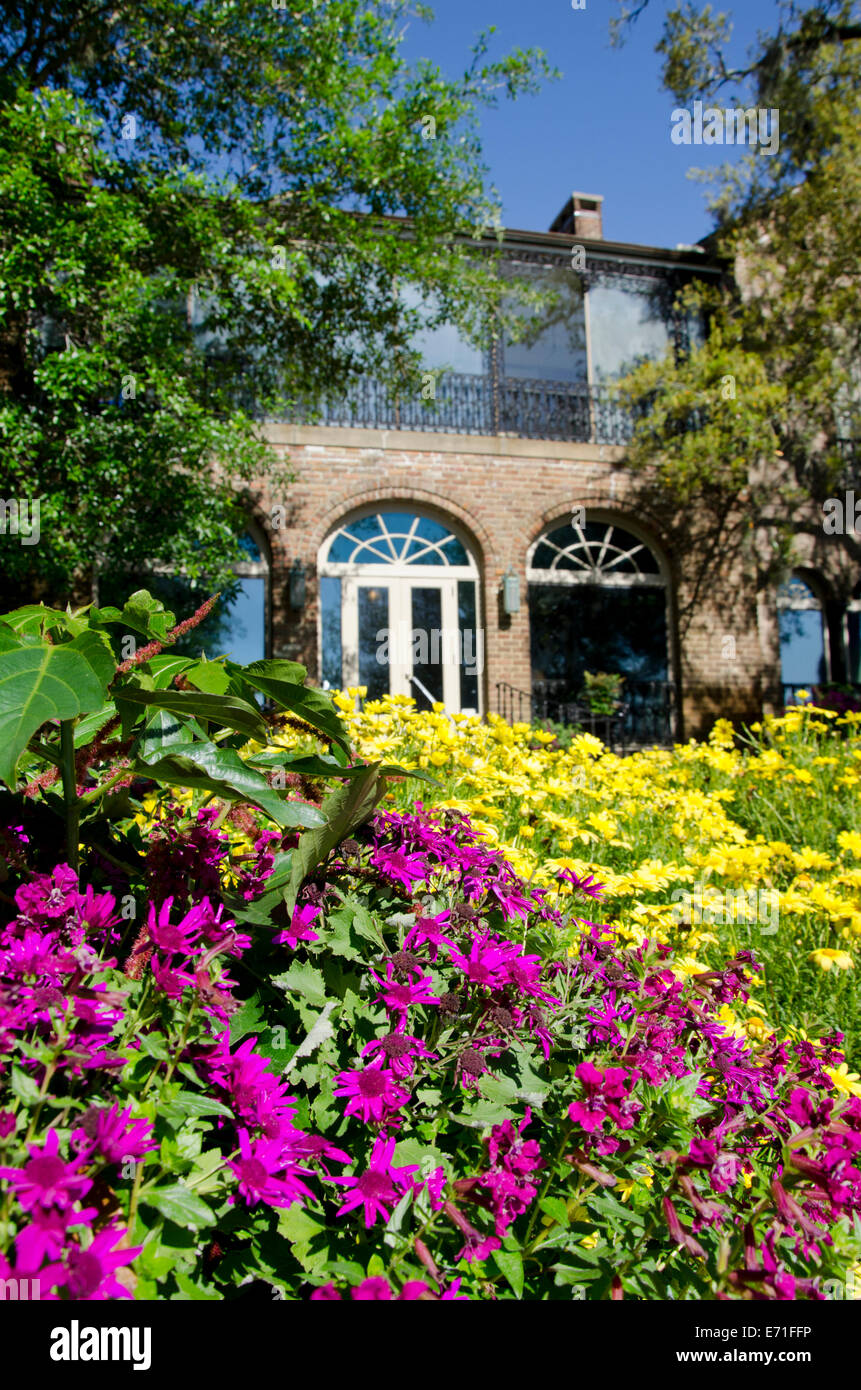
<point>483,543</point>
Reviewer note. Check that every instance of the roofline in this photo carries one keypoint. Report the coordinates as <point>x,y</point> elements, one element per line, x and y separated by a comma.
<point>601,246</point>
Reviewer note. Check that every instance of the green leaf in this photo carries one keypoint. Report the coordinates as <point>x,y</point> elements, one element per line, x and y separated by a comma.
<point>190,1104</point>
<point>39,683</point>
<point>141,613</point>
<point>178,1203</point>
<point>96,649</point>
<point>210,676</point>
<point>246,1019</point>
<point>556,1209</point>
<point>225,710</point>
<point>24,1087</point>
<point>195,1292</point>
<point>346,807</point>
<point>302,978</point>
<point>222,770</point>
<point>509,1264</point>
<point>314,707</point>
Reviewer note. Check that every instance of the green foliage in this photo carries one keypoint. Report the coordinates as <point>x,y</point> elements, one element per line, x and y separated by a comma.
<point>230,251</point>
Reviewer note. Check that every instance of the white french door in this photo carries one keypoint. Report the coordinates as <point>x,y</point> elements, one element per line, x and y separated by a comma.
<point>402,636</point>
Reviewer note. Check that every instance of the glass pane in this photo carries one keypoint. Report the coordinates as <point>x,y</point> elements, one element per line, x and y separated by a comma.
<point>802,647</point>
<point>587,627</point>
<point>630,320</point>
<point>330,613</point>
<point>373,644</point>
<point>249,547</point>
<point>245,637</point>
<point>854,653</point>
<point>554,349</point>
<point>427,645</point>
<point>471,645</point>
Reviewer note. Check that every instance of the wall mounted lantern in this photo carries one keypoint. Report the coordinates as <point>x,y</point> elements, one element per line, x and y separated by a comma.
<point>511,591</point>
<point>297,584</point>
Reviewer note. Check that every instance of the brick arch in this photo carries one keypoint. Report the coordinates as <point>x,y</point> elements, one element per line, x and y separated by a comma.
<point>395,495</point>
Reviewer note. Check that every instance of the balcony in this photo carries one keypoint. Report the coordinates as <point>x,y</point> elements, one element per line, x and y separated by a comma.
<point>482,405</point>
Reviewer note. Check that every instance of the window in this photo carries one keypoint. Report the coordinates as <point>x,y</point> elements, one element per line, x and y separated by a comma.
<point>555,347</point>
<point>803,645</point>
<point>853,637</point>
<point>630,320</point>
<point>399,610</point>
<point>598,602</point>
<point>238,625</point>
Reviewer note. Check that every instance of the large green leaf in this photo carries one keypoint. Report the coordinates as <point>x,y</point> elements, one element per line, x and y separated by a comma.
<point>38,683</point>
<point>225,710</point>
<point>96,649</point>
<point>314,707</point>
<point>347,807</point>
<point>222,770</point>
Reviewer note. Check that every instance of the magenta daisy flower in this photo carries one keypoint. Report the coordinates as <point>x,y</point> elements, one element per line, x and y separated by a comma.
<point>397,997</point>
<point>113,1134</point>
<point>373,1092</point>
<point>379,1186</point>
<point>45,1180</point>
<point>256,1169</point>
<point>300,926</point>
<point>400,1050</point>
<point>167,936</point>
<point>90,1274</point>
<point>394,864</point>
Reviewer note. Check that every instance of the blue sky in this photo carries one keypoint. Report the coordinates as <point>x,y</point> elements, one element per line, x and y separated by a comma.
<point>604,127</point>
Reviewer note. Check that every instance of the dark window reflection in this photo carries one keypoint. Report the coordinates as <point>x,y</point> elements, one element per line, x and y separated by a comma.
<point>427,645</point>
<point>471,650</point>
<point>586,627</point>
<point>373,646</point>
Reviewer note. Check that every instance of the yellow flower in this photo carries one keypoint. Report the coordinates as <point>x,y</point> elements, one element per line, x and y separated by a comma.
<point>826,957</point>
<point>850,840</point>
<point>844,1079</point>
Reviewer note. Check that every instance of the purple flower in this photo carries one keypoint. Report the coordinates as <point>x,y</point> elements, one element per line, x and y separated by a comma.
<point>397,997</point>
<point>89,1274</point>
<point>378,1187</point>
<point>394,864</point>
<point>400,1050</point>
<point>45,1180</point>
<point>373,1093</point>
<point>113,1134</point>
<point>300,927</point>
<point>257,1168</point>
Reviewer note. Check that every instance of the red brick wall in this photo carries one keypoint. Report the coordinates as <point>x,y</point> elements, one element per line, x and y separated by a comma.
<point>501,494</point>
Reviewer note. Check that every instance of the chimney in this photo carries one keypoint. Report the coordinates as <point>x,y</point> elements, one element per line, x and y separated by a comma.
<point>581,217</point>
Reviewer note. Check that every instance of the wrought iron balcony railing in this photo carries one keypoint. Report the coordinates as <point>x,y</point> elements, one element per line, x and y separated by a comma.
<point>481,404</point>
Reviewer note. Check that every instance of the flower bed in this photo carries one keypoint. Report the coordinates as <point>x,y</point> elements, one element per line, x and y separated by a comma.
<point>271,1040</point>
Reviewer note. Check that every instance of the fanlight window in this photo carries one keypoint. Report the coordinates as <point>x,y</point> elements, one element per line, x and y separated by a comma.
<point>595,552</point>
<point>396,538</point>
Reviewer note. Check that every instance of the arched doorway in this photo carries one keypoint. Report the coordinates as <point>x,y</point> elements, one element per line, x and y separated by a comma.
<point>399,609</point>
<point>597,601</point>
